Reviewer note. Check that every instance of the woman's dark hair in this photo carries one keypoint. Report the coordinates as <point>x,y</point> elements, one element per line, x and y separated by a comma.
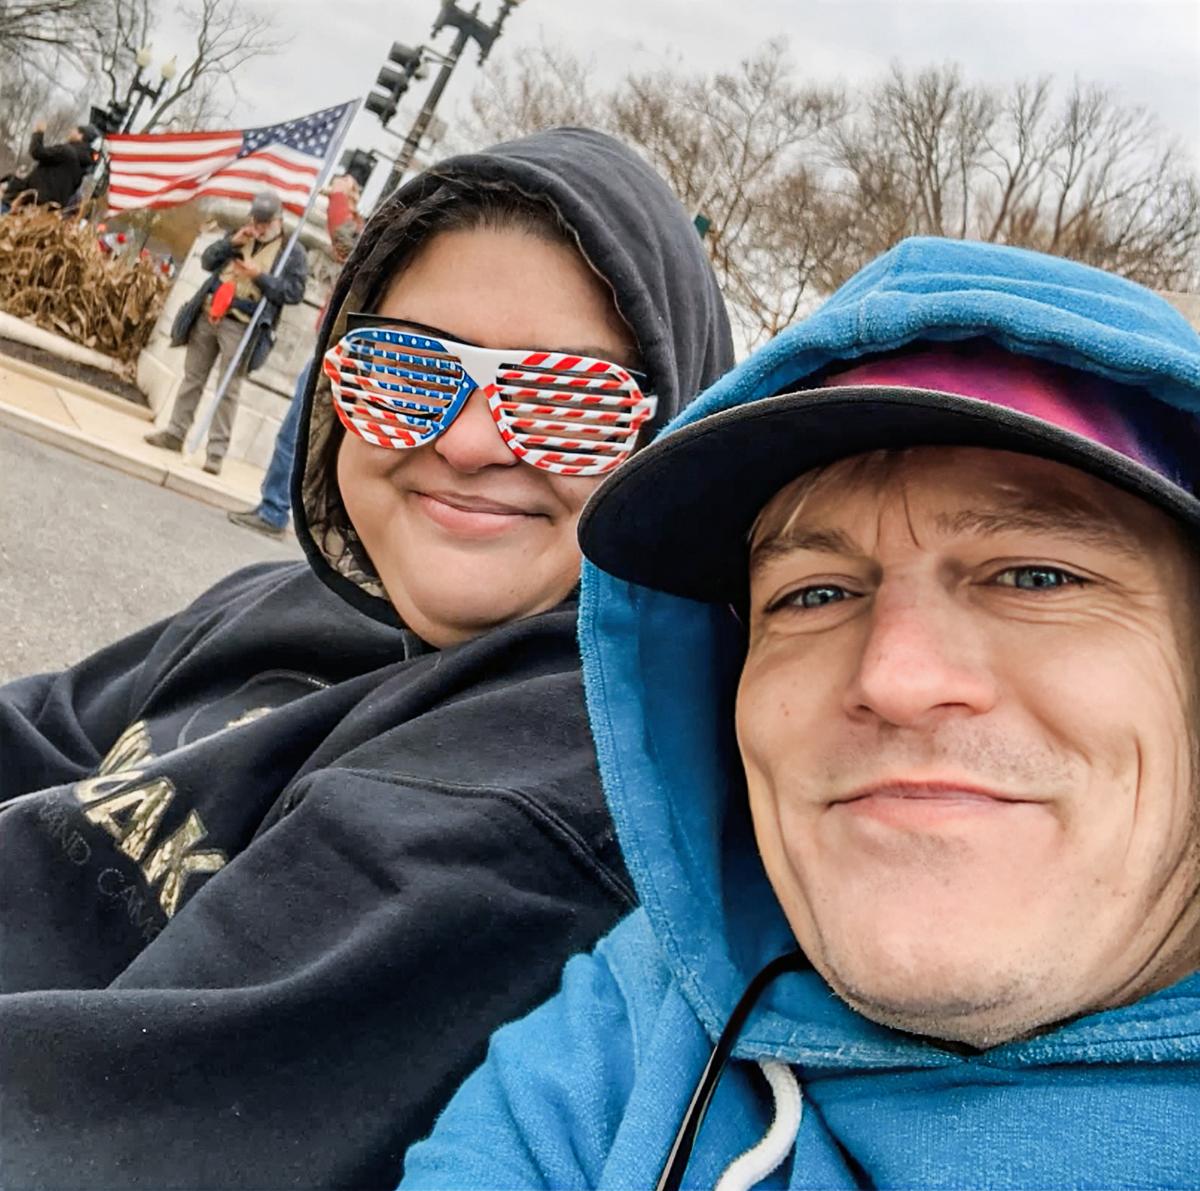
<point>448,205</point>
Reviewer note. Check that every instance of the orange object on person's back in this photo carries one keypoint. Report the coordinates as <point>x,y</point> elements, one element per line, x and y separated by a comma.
<point>222,299</point>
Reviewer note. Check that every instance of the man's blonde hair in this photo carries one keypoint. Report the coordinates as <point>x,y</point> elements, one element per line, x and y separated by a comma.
<point>779,515</point>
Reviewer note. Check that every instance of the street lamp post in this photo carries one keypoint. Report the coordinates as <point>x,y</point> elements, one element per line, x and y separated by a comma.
<point>144,90</point>
<point>469,27</point>
<point>120,114</point>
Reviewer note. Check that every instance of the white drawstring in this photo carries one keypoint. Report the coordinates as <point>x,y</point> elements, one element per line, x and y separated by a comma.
<point>762,1159</point>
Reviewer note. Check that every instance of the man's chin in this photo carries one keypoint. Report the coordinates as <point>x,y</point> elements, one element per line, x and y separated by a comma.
<point>968,1008</point>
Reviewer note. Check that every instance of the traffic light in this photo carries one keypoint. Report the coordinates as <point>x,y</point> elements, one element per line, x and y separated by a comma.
<point>391,83</point>
<point>359,164</point>
<point>109,120</point>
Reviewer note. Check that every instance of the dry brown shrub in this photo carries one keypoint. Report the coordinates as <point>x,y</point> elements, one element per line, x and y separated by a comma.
<point>53,274</point>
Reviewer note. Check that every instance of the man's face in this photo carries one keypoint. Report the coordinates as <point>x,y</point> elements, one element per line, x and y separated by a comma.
<point>464,535</point>
<point>965,718</point>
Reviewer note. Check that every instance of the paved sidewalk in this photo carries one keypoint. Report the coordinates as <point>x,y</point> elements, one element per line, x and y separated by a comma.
<point>90,422</point>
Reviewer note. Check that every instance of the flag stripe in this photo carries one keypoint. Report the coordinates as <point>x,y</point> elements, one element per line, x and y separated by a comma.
<point>161,170</point>
<point>242,167</point>
<point>121,139</point>
<point>170,169</point>
<point>211,153</point>
<point>266,164</point>
<point>187,188</point>
<point>129,199</point>
<point>217,150</point>
<point>208,192</point>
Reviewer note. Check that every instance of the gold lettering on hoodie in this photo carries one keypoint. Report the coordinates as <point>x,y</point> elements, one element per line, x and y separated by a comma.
<point>174,862</point>
<point>131,811</point>
<point>143,808</point>
<point>132,748</point>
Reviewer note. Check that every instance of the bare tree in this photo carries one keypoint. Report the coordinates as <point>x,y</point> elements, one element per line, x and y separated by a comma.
<point>803,186</point>
<point>27,96</point>
<point>24,96</point>
<point>29,29</point>
<point>1087,178</point>
<point>909,155</point>
<point>118,29</point>
<point>739,148</point>
<point>228,35</point>
<point>732,146</point>
<point>539,88</point>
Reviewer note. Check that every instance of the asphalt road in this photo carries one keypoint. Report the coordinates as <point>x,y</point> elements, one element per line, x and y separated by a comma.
<point>88,554</point>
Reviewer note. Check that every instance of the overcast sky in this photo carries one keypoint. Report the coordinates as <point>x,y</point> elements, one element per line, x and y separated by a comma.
<point>1147,50</point>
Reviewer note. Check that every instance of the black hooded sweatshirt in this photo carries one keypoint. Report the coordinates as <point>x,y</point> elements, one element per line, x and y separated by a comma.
<point>273,870</point>
<point>58,170</point>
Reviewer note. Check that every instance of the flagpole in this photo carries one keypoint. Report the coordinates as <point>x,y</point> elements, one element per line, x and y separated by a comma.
<point>205,417</point>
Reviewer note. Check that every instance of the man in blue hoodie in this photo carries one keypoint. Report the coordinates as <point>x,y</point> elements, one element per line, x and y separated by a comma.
<point>891,654</point>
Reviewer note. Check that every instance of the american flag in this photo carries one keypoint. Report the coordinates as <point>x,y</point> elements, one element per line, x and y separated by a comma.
<point>165,169</point>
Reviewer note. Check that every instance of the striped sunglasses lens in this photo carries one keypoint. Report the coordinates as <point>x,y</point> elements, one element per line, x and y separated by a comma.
<point>568,414</point>
<point>393,389</point>
<point>563,413</point>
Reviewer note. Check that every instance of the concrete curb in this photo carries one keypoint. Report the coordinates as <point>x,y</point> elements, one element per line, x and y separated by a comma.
<point>176,474</point>
<point>44,430</point>
<point>80,388</point>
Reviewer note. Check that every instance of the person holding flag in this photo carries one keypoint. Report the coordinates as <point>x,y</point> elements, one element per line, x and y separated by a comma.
<point>274,510</point>
<point>244,266</point>
<point>256,271</point>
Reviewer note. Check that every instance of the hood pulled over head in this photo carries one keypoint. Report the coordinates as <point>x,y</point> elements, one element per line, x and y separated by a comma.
<point>662,647</point>
<point>629,227</point>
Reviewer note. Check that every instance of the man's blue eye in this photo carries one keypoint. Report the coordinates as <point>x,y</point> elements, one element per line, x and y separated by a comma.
<point>1035,578</point>
<point>816,597</point>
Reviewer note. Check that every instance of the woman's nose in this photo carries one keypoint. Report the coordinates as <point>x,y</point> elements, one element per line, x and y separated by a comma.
<point>472,441</point>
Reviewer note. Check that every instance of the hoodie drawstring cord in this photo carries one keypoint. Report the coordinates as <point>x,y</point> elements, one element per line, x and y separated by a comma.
<point>671,1178</point>
<point>765,1158</point>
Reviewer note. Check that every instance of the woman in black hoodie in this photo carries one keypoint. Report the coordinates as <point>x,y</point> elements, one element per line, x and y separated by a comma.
<point>272,871</point>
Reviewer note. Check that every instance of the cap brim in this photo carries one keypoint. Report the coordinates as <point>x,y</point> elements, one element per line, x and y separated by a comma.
<point>676,516</point>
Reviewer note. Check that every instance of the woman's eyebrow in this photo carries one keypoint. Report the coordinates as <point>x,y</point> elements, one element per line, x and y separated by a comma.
<point>589,350</point>
<point>425,329</point>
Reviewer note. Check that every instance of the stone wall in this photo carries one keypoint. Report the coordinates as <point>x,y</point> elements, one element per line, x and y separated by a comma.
<point>265,393</point>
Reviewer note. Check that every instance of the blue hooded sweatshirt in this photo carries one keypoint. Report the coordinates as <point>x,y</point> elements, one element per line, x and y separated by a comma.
<point>589,1090</point>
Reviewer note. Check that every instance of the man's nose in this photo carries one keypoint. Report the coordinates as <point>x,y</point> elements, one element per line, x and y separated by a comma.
<point>472,441</point>
<point>924,659</point>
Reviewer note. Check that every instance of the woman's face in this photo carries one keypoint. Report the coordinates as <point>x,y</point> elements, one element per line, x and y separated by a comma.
<point>464,536</point>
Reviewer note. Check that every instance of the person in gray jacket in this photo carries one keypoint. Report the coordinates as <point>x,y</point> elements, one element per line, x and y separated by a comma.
<point>244,267</point>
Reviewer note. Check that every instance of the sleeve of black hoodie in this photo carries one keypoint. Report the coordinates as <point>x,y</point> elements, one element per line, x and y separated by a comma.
<point>49,154</point>
<point>218,253</point>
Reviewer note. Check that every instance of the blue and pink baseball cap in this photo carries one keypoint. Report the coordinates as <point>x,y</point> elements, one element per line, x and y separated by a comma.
<point>969,392</point>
